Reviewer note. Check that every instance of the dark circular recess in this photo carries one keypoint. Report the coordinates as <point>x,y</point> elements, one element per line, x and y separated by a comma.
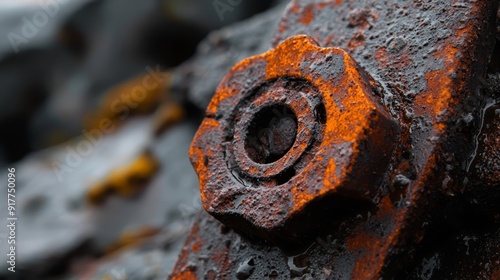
<point>271,133</point>
<point>274,131</point>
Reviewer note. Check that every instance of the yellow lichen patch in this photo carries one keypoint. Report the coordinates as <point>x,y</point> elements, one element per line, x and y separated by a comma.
<point>138,96</point>
<point>131,239</point>
<point>125,182</point>
<point>167,115</point>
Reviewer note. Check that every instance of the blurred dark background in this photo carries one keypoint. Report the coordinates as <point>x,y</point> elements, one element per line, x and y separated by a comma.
<point>99,101</point>
<point>56,76</point>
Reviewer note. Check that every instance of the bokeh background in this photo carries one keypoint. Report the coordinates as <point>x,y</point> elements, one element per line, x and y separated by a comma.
<point>99,101</point>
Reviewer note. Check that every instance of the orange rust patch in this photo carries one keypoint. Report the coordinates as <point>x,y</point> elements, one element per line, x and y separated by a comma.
<point>434,102</point>
<point>382,56</point>
<point>373,249</point>
<point>496,273</point>
<point>196,247</point>
<point>199,157</point>
<point>357,40</point>
<point>308,15</point>
<point>366,267</point>
<point>397,60</point>
<point>330,174</point>
<point>363,241</point>
<point>184,275</point>
<point>335,3</point>
<point>440,86</point>
<point>182,267</point>
<point>386,207</point>
<point>197,243</point>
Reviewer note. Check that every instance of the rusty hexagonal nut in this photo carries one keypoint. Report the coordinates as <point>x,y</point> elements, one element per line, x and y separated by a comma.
<point>288,129</point>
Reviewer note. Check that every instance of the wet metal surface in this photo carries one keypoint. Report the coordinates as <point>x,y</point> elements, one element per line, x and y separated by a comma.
<point>407,74</point>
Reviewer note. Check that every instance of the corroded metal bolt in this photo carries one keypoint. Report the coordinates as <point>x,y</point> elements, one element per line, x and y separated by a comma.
<point>286,129</point>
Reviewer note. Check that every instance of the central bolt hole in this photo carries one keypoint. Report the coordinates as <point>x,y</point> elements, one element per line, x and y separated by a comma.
<point>271,133</point>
